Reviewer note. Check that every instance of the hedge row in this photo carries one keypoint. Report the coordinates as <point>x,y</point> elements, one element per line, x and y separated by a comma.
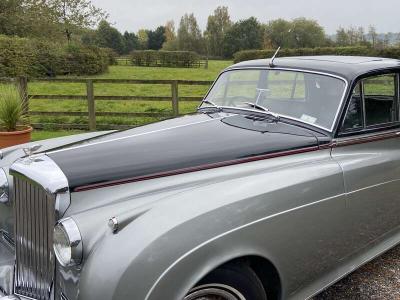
<point>34,58</point>
<point>392,52</point>
<point>152,58</point>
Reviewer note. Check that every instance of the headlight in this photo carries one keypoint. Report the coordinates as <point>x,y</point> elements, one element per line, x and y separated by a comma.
<point>3,187</point>
<point>67,243</point>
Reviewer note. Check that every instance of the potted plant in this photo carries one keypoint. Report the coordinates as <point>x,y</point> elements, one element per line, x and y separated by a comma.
<point>13,123</point>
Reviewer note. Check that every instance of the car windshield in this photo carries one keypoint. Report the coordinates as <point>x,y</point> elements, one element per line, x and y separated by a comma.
<point>309,97</point>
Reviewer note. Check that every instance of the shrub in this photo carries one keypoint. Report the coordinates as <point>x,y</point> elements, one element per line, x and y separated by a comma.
<point>392,52</point>
<point>34,58</point>
<point>111,55</point>
<point>152,58</point>
<point>16,56</point>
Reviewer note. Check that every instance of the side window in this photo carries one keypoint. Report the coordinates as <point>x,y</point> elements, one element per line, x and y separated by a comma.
<point>354,115</point>
<point>379,97</point>
<point>373,102</point>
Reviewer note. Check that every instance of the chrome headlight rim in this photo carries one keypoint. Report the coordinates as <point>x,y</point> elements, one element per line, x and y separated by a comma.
<point>73,237</point>
<point>4,187</point>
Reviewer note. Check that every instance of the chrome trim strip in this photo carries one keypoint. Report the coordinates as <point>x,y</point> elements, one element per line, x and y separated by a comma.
<point>366,138</point>
<point>294,70</point>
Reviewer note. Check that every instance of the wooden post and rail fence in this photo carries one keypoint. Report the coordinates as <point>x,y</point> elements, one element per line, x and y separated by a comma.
<point>91,98</point>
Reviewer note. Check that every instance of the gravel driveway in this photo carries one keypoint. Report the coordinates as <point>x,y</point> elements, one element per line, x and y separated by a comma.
<point>379,279</point>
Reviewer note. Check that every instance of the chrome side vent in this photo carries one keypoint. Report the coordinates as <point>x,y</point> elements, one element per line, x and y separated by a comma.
<point>34,222</point>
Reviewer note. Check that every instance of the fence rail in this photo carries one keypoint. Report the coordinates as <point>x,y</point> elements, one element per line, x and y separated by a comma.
<point>127,61</point>
<point>91,98</point>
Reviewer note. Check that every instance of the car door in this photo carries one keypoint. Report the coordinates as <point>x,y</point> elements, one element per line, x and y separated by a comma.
<point>368,150</point>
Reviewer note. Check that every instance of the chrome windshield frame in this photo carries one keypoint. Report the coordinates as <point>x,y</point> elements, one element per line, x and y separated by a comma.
<point>339,108</point>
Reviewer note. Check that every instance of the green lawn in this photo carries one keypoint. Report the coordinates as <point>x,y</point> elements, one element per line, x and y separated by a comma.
<point>121,72</point>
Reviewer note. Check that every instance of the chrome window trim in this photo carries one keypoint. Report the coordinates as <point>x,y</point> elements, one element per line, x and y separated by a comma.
<point>342,100</point>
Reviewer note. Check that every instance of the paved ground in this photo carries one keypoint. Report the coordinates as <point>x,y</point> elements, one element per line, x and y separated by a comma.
<point>378,280</point>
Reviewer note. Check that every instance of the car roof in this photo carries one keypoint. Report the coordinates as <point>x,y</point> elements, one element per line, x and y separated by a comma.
<point>348,67</point>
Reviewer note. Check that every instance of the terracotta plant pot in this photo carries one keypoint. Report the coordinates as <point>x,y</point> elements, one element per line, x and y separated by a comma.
<point>12,138</point>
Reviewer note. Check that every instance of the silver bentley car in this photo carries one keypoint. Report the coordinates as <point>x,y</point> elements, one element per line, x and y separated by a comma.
<point>286,180</point>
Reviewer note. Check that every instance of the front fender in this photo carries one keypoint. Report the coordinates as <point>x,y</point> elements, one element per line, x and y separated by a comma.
<point>181,237</point>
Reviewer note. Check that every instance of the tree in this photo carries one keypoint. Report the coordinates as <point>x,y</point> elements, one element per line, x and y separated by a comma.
<point>143,38</point>
<point>189,35</point>
<point>277,33</point>
<point>306,34</point>
<point>373,35</point>
<point>131,42</point>
<point>217,26</point>
<point>27,18</point>
<point>73,15</point>
<point>243,35</point>
<point>156,38</point>
<point>342,39</point>
<point>397,39</point>
<point>171,43</point>
<point>11,12</point>
<point>109,37</point>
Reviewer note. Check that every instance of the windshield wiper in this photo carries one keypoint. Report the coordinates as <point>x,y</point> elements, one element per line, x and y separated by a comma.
<point>209,102</point>
<point>259,107</point>
<point>256,106</point>
<point>216,108</point>
<point>212,108</point>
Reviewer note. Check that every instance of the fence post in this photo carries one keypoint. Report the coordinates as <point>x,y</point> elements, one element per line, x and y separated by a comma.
<point>22,86</point>
<point>175,98</point>
<point>91,105</point>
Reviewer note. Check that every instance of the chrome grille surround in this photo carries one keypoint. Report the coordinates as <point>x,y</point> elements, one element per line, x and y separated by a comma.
<point>34,223</point>
<point>41,197</point>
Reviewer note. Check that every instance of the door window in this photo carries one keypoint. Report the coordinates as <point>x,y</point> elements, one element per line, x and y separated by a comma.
<point>374,102</point>
<point>379,97</point>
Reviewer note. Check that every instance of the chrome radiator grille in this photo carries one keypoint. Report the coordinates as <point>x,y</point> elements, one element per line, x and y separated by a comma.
<point>34,223</point>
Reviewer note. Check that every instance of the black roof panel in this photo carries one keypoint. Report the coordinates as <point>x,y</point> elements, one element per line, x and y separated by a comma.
<point>348,67</point>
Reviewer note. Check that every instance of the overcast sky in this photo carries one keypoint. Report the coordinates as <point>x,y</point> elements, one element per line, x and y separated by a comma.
<point>132,15</point>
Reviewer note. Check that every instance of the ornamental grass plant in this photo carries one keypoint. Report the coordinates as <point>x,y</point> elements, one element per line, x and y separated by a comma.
<point>12,116</point>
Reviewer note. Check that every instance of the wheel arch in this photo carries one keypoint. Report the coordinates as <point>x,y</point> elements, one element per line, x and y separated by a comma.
<point>263,268</point>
